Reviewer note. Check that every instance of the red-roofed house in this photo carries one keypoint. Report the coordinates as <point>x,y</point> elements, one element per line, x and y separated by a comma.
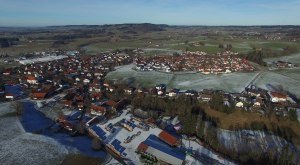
<point>112,103</point>
<point>96,96</point>
<point>97,110</point>
<point>68,103</point>
<point>277,97</point>
<point>9,96</point>
<point>39,95</point>
<point>168,138</point>
<point>31,80</point>
<point>80,105</point>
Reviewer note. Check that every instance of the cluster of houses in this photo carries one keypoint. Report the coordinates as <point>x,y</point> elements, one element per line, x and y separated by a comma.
<point>281,64</point>
<point>83,77</point>
<point>252,99</point>
<point>82,80</point>
<point>225,62</point>
<point>74,71</point>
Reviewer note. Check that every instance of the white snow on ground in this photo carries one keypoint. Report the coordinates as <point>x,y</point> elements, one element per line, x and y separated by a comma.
<point>42,59</point>
<point>19,147</point>
<point>201,149</point>
<point>248,140</point>
<point>288,83</point>
<point>121,134</point>
<point>50,107</point>
<point>31,149</point>
<point>233,82</point>
<point>294,58</point>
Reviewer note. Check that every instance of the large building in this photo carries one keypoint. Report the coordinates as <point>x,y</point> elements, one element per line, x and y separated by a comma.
<point>168,138</point>
<point>161,150</point>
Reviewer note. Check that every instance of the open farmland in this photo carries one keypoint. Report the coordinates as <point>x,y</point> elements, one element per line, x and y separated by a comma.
<point>110,37</point>
<point>145,79</point>
<point>233,82</point>
<point>272,81</point>
<point>294,58</point>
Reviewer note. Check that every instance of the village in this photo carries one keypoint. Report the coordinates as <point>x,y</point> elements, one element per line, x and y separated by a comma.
<point>104,109</point>
<point>224,62</point>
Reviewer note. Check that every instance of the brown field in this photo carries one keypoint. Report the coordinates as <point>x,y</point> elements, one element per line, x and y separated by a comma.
<point>81,159</point>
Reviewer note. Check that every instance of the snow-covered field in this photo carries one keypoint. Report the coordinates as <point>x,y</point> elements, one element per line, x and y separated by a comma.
<point>294,58</point>
<point>19,147</point>
<point>288,82</point>
<point>42,59</point>
<point>233,82</point>
<point>146,79</point>
<point>121,134</point>
<point>248,140</point>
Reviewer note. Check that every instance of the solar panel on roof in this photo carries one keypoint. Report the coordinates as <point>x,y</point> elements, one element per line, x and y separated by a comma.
<point>155,142</point>
<point>122,149</point>
<point>113,142</point>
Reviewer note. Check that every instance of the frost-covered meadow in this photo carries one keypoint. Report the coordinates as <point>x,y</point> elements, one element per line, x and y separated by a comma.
<point>19,147</point>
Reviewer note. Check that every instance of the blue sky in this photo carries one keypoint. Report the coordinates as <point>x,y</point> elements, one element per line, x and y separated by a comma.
<point>173,12</point>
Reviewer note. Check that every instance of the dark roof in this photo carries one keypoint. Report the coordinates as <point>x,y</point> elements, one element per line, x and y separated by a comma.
<point>99,132</point>
<point>154,142</point>
<point>117,145</point>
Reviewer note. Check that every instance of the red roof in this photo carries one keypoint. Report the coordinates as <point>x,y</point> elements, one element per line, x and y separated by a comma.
<point>111,103</point>
<point>9,94</point>
<point>142,147</point>
<point>97,95</point>
<point>39,95</point>
<point>97,108</point>
<point>278,95</point>
<point>79,98</point>
<point>68,102</point>
<point>168,138</point>
<point>31,78</point>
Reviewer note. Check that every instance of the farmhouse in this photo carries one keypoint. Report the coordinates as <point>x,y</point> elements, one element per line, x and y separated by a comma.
<point>277,97</point>
<point>32,80</point>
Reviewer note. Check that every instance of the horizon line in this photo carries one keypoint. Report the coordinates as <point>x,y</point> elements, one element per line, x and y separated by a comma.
<point>43,26</point>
